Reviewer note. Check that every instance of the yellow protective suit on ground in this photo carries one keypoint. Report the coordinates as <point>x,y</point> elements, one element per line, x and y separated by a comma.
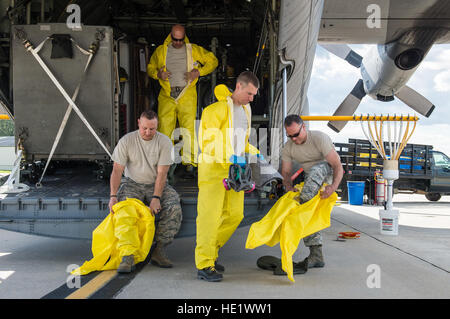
<point>127,231</point>
<point>184,107</point>
<point>219,211</point>
<point>288,222</point>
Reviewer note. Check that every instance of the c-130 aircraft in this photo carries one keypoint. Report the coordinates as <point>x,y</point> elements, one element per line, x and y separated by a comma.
<point>274,39</point>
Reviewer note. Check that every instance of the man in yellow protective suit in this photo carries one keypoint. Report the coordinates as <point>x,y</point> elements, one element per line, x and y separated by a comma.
<point>223,138</point>
<point>177,64</point>
<point>315,152</point>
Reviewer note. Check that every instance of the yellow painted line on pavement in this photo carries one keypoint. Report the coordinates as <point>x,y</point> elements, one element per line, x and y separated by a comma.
<point>94,285</point>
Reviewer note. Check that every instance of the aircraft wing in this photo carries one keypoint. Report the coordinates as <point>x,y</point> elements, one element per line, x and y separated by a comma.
<point>347,21</point>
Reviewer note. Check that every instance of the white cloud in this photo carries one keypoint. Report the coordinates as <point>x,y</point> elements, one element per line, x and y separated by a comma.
<point>436,59</point>
<point>442,81</point>
<point>436,135</point>
<point>435,68</point>
<point>339,68</point>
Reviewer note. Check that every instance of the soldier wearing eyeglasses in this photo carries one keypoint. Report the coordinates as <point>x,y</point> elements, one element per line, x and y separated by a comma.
<point>315,153</point>
<point>177,64</point>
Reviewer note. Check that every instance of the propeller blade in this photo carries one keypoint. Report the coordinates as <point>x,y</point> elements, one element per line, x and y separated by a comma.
<point>348,106</point>
<point>415,101</point>
<point>343,51</point>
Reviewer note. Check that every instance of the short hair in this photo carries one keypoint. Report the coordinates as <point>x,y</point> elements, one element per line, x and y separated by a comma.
<point>149,114</point>
<point>247,77</point>
<point>292,118</point>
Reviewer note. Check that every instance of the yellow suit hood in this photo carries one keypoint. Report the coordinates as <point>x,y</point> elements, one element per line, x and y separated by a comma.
<point>216,130</point>
<point>222,92</point>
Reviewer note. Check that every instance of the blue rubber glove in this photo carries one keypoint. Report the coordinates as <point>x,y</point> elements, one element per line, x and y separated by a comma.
<point>240,160</point>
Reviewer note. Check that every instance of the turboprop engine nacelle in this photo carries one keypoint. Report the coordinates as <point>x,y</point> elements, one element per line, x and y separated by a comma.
<point>387,68</point>
<point>385,71</point>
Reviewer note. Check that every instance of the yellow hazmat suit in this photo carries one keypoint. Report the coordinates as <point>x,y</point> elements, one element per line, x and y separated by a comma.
<point>127,231</point>
<point>288,222</point>
<point>184,107</point>
<point>219,211</point>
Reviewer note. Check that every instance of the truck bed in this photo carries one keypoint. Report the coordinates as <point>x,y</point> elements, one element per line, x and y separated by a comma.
<point>361,160</point>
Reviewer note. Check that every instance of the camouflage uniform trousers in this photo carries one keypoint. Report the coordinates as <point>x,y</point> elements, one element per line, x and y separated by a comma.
<point>319,173</point>
<point>168,220</point>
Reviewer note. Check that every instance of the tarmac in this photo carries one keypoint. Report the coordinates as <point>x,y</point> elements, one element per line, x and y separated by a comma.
<point>413,264</point>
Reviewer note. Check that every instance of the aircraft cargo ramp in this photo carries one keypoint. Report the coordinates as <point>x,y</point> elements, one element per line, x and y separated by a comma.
<point>72,202</point>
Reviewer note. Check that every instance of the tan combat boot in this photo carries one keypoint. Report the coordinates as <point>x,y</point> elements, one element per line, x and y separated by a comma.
<point>126,265</point>
<point>315,258</point>
<point>159,257</point>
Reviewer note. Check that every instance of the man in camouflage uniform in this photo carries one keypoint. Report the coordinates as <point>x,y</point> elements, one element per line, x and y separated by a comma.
<point>144,156</point>
<point>168,218</point>
<point>315,152</point>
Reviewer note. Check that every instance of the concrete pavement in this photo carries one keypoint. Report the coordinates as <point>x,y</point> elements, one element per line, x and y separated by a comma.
<point>414,264</point>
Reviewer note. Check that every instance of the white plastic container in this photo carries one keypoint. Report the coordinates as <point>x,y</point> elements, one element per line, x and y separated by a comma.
<point>389,222</point>
<point>390,170</point>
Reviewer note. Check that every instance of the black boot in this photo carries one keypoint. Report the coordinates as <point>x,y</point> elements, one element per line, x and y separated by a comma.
<point>209,274</point>
<point>219,267</point>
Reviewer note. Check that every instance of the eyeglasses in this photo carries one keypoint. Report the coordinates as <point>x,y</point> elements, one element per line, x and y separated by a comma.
<point>296,134</point>
<point>176,40</point>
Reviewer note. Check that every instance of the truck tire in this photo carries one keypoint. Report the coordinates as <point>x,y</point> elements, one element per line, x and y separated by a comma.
<point>344,194</point>
<point>433,197</point>
<point>342,190</point>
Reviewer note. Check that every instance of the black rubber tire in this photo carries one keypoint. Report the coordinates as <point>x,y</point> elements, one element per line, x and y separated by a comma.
<point>433,197</point>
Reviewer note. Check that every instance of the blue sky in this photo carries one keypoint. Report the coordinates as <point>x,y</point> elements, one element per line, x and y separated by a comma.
<point>332,79</point>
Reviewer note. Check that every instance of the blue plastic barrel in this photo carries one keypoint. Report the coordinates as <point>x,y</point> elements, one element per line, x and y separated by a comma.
<point>355,192</point>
